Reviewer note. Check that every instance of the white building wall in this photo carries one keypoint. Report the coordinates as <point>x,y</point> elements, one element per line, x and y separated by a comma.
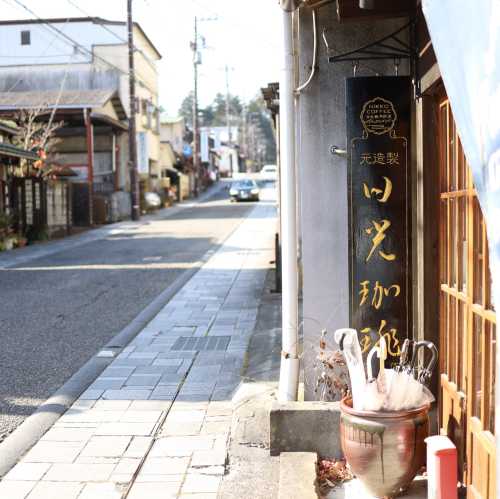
<point>49,47</point>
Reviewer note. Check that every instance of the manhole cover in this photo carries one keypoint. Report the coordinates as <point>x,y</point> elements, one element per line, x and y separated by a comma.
<point>204,343</point>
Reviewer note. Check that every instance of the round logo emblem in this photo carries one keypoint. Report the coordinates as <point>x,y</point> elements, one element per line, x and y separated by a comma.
<point>378,116</point>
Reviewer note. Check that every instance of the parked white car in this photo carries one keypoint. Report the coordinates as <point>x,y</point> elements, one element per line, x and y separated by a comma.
<point>268,173</point>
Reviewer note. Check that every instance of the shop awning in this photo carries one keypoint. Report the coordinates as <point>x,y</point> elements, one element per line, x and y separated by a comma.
<point>65,100</point>
<point>16,152</point>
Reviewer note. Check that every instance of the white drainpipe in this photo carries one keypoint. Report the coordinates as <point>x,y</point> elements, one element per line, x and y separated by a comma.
<point>289,372</point>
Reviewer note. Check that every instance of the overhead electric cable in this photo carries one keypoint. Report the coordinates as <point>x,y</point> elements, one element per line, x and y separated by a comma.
<point>103,25</point>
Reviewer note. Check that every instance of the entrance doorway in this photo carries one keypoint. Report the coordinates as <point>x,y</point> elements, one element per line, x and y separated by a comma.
<point>467,318</point>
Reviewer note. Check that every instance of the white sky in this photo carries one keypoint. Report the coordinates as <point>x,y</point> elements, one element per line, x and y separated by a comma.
<point>245,37</point>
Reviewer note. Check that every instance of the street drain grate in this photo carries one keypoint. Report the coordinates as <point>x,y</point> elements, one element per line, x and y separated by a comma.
<point>205,343</point>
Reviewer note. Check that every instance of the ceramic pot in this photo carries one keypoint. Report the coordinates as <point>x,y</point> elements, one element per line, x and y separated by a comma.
<point>385,450</point>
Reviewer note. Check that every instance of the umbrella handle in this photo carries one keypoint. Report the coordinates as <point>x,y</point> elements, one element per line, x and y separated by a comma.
<point>426,371</point>
<point>382,354</point>
<point>369,360</point>
<point>403,356</point>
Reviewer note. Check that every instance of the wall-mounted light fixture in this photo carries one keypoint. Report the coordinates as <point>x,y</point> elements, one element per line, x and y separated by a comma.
<point>337,151</point>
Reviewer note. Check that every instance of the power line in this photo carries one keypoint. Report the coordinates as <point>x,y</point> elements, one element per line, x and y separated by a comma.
<point>103,26</point>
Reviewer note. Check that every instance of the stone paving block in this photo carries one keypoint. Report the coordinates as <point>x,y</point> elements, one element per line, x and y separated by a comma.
<point>138,447</point>
<point>79,472</point>
<point>183,331</point>
<point>157,369</point>
<point>131,429</point>
<point>61,434</point>
<point>101,491</point>
<point>183,414</point>
<point>166,362</point>
<point>165,466</point>
<point>157,348</point>
<point>127,465</point>
<point>132,416</point>
<point>91,394</point>
<point>198,386</point>
<point>107,383</point>
<point>27,472</point>
<point>150,405</point>
<point>220,443</point>
<point>97,460</point>
<point>132,362</point>
<point>68,424</point>
<point>83,404</point>
<point>220,409</point>
<point>143,380</point>
<point>219,419</point>
<point>181,428</point>
<point>154,490</point>
<point>100,446</point>
<point>200,483</point>
<point>177,355</point>
<point>171,378</point>
<point>54,452</point>
<point>209,372</point>
<point>15,490</point>
<point>143,355</point>
<point>216,427</point>
<point>190,397</point>
<point>91,416</point>
<point>126,394</point>
<point>208,458</point>
<point>216,358</point>
<point>190,405</point>
<point>51,490</point>
<point>171,479</point>
<point>121,479</point>
<point>208,470</point>
<point>180,446</point>
<point>112,405</point>
<point>168,389</point>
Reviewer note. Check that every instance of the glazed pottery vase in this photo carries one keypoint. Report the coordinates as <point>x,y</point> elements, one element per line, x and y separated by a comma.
<point>385,450</point>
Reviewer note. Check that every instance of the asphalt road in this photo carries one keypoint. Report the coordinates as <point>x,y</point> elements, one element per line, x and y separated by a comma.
<point>57,311</point>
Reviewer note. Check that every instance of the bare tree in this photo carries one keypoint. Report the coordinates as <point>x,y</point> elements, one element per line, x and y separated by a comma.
<point>36,134</point>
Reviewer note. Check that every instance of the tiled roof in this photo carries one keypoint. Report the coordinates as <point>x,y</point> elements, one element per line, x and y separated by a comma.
<point>48,99</point>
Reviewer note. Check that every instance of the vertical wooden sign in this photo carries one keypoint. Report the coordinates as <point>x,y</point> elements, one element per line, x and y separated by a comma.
<point>378,138</point>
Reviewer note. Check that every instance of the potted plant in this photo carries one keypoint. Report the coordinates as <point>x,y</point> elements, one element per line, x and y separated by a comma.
<point>7,238</point>
<point>21,241</point>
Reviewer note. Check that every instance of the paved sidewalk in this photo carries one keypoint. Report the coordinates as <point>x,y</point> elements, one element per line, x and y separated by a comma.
<point>156,423</point>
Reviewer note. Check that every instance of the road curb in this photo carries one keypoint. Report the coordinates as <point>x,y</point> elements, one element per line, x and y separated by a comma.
<point>37,424</point>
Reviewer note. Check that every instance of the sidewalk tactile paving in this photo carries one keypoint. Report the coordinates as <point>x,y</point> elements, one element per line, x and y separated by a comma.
<point>160,413</point>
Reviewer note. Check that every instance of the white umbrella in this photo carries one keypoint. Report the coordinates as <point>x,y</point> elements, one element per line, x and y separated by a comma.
<point>347,340</point>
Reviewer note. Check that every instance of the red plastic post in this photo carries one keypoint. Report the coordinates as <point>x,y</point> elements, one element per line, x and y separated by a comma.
<point>441,468</point>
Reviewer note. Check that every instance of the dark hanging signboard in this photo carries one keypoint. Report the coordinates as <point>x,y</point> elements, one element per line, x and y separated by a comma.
<point>378,138</point>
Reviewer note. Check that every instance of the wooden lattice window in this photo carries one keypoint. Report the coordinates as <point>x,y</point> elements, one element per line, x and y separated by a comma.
<point>467,318</point>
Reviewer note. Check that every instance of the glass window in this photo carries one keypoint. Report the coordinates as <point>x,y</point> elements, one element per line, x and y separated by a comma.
<point>25,38</point>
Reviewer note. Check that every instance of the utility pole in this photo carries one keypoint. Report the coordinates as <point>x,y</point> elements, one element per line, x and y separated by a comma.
<point>132,139</point>
<point>228,115</point>
<point>196,62</point>
<point>196,144</point>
